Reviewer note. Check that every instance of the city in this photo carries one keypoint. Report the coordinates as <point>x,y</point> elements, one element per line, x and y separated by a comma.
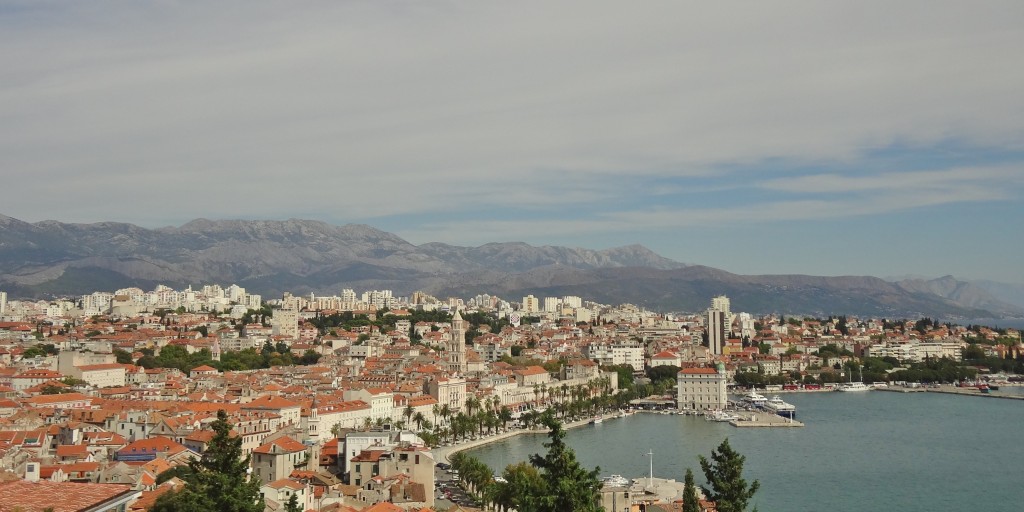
<point>354,400</point>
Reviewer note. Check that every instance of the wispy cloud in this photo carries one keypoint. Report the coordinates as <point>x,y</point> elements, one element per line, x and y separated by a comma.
<point>585,117</point>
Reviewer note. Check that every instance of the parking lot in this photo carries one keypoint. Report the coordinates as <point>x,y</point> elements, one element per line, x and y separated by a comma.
<point>447,490</point>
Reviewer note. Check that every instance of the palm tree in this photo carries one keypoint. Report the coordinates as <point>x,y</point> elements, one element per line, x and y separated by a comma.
<point>505,415</point>
<point>419,418</point>
<point>436,410</point>
<point>446,413</point>
<point>408,412</point>
<point>472,403</point>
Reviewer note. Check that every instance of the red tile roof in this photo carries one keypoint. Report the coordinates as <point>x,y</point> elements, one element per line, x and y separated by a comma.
<point>61,496</point>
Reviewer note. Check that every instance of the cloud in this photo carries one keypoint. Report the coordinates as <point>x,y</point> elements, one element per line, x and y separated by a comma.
<point>592,111</point>
<point>945,179</point>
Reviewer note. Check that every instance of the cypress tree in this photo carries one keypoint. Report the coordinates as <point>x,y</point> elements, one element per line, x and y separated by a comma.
<point>691,502</point>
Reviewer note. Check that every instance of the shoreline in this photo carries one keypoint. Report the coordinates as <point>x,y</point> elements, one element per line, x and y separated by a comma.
<point>443,453</point>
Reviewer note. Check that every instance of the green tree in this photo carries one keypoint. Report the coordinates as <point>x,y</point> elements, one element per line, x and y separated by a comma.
<point>724,473</point>
<point>123,356</point>
<point>568,486</point>
<point>691,502</point>
<point>219,479</point>
<point>293,504</point>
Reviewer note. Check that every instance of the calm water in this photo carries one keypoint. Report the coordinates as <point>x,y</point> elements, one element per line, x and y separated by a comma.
<point>858,452</point>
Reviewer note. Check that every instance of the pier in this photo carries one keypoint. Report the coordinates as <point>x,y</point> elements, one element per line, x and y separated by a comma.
<point>763,419</point>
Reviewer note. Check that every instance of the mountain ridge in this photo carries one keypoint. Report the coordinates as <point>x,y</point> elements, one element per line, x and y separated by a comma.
<point>302,256</point>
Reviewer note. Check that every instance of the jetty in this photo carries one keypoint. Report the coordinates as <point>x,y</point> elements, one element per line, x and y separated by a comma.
<point>763,419</point>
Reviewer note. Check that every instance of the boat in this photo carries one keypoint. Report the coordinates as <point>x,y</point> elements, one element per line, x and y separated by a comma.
<point>596,420</point>
<point>855,386</point>
<point>616,481</point>
<point>780,407</point>
<point>755,399</point>
<point>722,416</point>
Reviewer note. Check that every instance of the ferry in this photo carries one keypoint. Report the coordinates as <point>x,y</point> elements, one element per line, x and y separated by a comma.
<point>778,406</point>
<point>854,386</point>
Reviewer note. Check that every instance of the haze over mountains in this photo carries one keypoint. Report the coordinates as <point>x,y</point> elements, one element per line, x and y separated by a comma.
<point>300,256</point>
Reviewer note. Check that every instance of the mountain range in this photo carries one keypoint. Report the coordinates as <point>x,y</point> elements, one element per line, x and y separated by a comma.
<point>50,258</point>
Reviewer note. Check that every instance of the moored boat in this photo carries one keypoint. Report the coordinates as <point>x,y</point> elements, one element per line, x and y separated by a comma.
<point>723,416</point>
<point>781,407</point>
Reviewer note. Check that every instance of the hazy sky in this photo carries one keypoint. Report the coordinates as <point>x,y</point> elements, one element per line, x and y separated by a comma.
<point>829,138</point>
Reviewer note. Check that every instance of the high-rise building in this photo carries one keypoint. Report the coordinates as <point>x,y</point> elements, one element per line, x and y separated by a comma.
<point>721,303</point>
<point>531,304</point>
<point>3,303</point>
<point>716,331</point>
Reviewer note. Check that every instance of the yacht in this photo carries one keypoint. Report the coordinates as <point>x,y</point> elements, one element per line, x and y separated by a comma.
<point>854,386</point>
<point>596,420</point>
<point>755,399</point>
<point>780,407</point>
<point>616,481</point>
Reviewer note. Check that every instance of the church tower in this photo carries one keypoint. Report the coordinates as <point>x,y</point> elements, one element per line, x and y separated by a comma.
<point>457,355</point>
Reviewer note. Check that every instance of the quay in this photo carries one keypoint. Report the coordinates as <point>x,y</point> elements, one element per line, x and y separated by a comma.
<point>763,419</point>
<point>953,390</point>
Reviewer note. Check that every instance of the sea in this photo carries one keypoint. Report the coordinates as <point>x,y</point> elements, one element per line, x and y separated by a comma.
<point>858,451</point>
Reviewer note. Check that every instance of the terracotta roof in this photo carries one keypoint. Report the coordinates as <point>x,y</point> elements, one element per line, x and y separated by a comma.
<point>699,371</point>
<point>281,445</point>
<point>61,496</point>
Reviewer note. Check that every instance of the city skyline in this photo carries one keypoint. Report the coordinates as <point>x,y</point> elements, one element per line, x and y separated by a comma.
<point>840,139</point>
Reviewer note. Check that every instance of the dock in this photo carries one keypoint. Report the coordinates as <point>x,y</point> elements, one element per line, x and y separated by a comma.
<point>953,390</point>
<point>763,419</point>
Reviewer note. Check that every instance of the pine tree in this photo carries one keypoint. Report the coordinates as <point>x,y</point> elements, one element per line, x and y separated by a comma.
<point>568,485</point>
<point>724,473</point>
<point>219,480</point>
<point>691,502</point>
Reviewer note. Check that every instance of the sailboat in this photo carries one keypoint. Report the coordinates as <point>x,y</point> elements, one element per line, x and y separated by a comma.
<point>855,386</point>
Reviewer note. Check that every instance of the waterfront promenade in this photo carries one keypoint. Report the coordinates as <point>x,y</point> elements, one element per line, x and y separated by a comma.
<point>953,390</point>
<point>443,453</point>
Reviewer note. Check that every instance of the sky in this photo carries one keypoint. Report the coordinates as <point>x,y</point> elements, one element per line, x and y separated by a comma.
<point>823,138</point>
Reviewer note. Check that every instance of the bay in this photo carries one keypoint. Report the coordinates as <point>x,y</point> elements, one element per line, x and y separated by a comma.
<point>858,451</point>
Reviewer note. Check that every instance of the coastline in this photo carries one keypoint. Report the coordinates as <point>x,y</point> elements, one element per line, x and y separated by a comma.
<point>443,453</point>
<point>953,390</point>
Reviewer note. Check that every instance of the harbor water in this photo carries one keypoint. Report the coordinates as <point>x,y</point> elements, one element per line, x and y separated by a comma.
<point>858,451</point>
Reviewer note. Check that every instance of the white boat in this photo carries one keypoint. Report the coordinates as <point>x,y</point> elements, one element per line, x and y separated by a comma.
<point>596,420</point>
<point>720,416</point>
<point>854,386</point>
<point>780,407</point>
<point>755,399</point>
<point>616,481</point>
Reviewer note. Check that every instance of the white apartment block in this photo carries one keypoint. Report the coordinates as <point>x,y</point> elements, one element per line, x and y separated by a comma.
<point>531,305</point>
<point>286,323</point>
<point>629,352</point>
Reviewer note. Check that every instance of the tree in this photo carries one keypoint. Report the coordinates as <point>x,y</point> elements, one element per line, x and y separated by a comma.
<point>691,502</point>
<point>293,504</point>
<point>568,486</point>
<point>724,473</point>
<point>219,480</point>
